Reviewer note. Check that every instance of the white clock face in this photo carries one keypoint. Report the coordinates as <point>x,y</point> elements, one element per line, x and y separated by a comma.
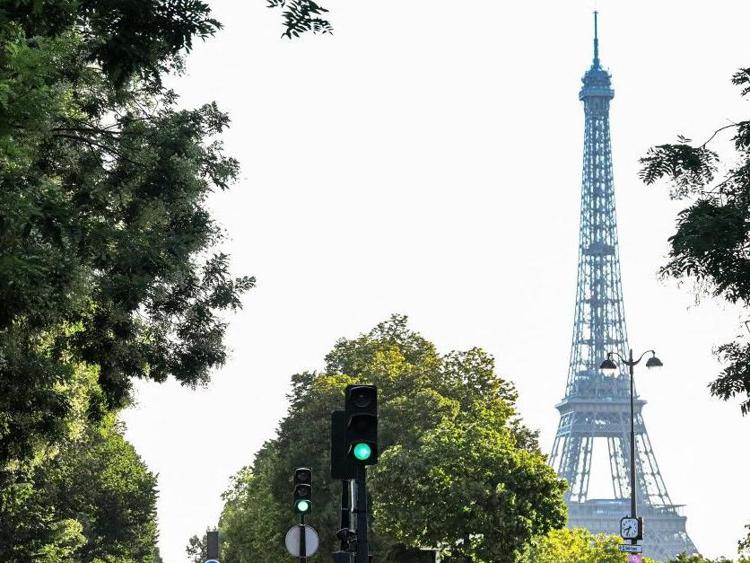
<point>629,528</point>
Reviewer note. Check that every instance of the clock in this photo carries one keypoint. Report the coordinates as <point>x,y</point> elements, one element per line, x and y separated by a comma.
<point>630,528</point>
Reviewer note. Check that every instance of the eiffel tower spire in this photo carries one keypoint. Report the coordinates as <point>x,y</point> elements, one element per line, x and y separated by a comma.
<point>596,40</point>
<point>596,408</point>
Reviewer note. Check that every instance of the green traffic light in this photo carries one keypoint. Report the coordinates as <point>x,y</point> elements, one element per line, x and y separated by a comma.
<point>362,451</point>
<point>303,506</point>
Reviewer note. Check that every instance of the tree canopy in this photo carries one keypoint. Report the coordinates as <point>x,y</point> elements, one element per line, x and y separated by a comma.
<point>105,240</point>
<point>743,546</point>
<point>93,501</point>
<point>711,242</point>
<point>110,264</point>
<point>684,558</point>
<point>582,546</point>
<point>197,548</point>
<point>577,545</point>
<point>458,470</point>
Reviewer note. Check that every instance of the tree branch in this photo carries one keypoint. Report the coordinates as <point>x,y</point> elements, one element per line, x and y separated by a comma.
<point>93,143</point>
<point>719,130</point>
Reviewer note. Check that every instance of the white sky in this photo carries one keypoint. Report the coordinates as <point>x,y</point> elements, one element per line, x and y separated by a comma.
<point>426,160</point>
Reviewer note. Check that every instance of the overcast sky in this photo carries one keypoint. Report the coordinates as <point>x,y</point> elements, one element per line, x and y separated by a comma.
<point>425,160</point>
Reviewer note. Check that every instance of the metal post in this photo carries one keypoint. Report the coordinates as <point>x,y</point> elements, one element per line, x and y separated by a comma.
<point>302,546</point>
<point>347,501</point>
<point>345,512</point>
<point>631,363</point>
<point>362,548</point>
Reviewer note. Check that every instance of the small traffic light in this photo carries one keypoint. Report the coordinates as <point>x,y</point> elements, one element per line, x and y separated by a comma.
<point>361,406</point>
<point>302,490</point>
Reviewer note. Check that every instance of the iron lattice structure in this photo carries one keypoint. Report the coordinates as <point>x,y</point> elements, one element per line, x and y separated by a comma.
<point>596,407</point>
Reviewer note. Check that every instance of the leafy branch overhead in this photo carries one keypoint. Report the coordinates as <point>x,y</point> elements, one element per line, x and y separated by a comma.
<point>108,251</point>
<point>110,262</point>
<point>712,241</point>
<point>301,16</point>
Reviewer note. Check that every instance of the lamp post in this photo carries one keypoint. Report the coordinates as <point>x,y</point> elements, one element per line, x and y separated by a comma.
<point>609,367</point>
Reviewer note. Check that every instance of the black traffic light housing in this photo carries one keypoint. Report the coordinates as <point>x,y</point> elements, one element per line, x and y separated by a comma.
<point>361,407</point>
<point>342,465</point>
<point>302,490</point>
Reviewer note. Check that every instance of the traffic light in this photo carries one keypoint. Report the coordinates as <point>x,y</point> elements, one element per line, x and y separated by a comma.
<point>342,466</point>
<point>302,490</point>
<point>361,406</point>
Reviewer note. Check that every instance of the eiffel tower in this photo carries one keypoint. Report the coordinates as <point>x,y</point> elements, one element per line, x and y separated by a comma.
<point>596,407</point>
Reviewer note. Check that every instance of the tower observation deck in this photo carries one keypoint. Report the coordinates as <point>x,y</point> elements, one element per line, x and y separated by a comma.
<point>596,408</point>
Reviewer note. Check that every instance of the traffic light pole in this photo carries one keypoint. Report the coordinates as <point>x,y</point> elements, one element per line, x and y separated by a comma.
<point>302,546</point>
<point>344,555</point>
<point>346,507</point>
<point>362,555</point>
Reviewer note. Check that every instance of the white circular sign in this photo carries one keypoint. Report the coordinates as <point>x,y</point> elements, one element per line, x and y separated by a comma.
<point>295,534</point>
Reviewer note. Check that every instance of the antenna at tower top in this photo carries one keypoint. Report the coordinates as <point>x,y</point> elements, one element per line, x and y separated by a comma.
<point>596,38</point>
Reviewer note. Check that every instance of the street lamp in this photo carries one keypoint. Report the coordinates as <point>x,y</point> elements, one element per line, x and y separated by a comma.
<point>609,367</point>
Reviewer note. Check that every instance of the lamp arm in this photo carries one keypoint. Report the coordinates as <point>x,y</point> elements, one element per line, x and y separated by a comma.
<point>623,360</point>
<point>641,357</point>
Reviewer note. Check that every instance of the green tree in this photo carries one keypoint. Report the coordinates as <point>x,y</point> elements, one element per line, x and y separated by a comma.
<point>577,545</point>
<point>743,547</point>
<point>197,549</point>
<point>92,501</point>
<point>101,482</point>
<point>103,223</point>
<point>684,558</point>
<point>252,521</point>
<point>430,407</point>
<point>87,498</point>
<point>109,264</point>
<point>468,489</point>
<point>32,529</point>
<point>712,236</point>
